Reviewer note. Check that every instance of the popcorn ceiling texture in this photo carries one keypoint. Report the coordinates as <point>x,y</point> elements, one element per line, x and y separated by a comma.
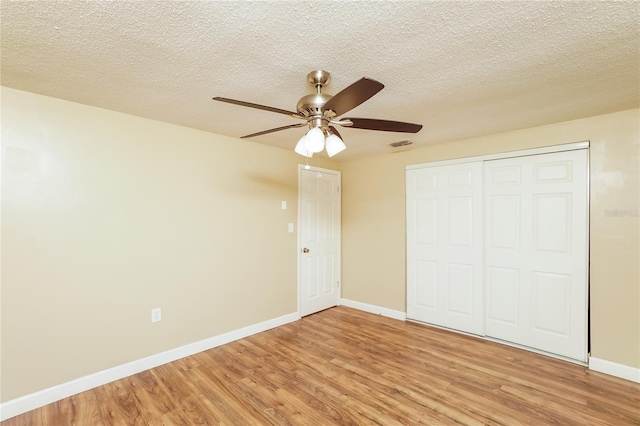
<point>462,69</point>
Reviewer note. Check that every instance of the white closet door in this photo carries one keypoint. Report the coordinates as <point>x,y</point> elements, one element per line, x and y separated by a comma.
<point>536,230</point>
<point>444,246</point>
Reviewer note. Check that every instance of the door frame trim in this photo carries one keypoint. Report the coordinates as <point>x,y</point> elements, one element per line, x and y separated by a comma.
<point>338,173</point>
<point>501,155</point>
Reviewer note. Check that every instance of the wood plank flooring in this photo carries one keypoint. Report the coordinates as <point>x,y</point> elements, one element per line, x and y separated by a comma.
<point>346,367</point>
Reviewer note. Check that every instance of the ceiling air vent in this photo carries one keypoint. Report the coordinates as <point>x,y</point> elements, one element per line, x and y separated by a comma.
<point>399,144</point>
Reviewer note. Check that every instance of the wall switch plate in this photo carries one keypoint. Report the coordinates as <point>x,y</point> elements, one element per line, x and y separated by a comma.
<point>156,315</point>
<point>284,205</point>
<point>290,227</point>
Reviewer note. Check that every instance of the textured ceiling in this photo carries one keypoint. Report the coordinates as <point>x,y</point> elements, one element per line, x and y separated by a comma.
<point>462,69</point>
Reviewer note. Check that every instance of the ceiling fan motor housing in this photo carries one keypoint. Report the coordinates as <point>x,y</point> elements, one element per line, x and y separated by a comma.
<point>311,105</point>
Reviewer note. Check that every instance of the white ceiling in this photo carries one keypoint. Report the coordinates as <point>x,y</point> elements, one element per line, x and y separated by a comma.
<point>461,69</point>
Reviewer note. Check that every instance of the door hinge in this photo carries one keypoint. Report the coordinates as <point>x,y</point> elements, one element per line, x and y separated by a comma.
<point>338,283</point>
<point>338,189</point>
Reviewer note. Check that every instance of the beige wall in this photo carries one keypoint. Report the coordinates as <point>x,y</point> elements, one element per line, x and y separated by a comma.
<point>373,253</point>
<point>106,216</point>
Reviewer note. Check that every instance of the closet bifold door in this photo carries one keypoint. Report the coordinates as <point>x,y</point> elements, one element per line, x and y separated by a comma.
<point>536,251</point>
<point>444,246</point>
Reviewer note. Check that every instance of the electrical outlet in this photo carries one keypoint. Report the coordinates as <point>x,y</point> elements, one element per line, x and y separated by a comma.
<point>156,315</point>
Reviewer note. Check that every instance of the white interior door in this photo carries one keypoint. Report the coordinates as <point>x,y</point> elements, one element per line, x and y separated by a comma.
<point>444,246</point>
<point>536,239</point>
<point>319,239</point>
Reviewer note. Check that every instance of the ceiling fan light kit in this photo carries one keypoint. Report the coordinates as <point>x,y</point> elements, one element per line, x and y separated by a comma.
<point>314,140</point>
<point>334,145</point>
<point>301,148</point>
<point>320,111</point>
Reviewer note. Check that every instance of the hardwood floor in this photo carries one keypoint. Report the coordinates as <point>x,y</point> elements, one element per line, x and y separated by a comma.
<point>346,367</point>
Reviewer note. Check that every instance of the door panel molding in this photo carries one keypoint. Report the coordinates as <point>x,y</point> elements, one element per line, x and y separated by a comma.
<point>552,256</point>
<point>444,246</point>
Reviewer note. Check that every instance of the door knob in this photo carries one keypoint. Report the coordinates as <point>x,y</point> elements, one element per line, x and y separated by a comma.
<point>305,250</point>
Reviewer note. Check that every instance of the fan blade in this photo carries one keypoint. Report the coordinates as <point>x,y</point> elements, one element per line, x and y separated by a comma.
<point>257,106</point>
<point>335,132</point>
<point>277,129</point>
<point>384,125</point>
<point>353,96</point>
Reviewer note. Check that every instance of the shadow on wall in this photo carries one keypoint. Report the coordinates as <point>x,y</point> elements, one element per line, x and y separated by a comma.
<point>256,185</point>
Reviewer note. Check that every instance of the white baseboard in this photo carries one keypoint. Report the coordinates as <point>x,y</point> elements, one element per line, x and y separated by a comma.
<point>614,369</point>
<point>378,310</point>
<point>38,399</point>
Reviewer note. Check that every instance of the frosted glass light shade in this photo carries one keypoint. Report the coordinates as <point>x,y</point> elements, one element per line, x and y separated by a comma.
<point>314,140</point>
<point>334,145</point>
<point>301,147</point>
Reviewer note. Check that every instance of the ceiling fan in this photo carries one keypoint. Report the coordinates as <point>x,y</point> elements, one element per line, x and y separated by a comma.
<point>320,112</point>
